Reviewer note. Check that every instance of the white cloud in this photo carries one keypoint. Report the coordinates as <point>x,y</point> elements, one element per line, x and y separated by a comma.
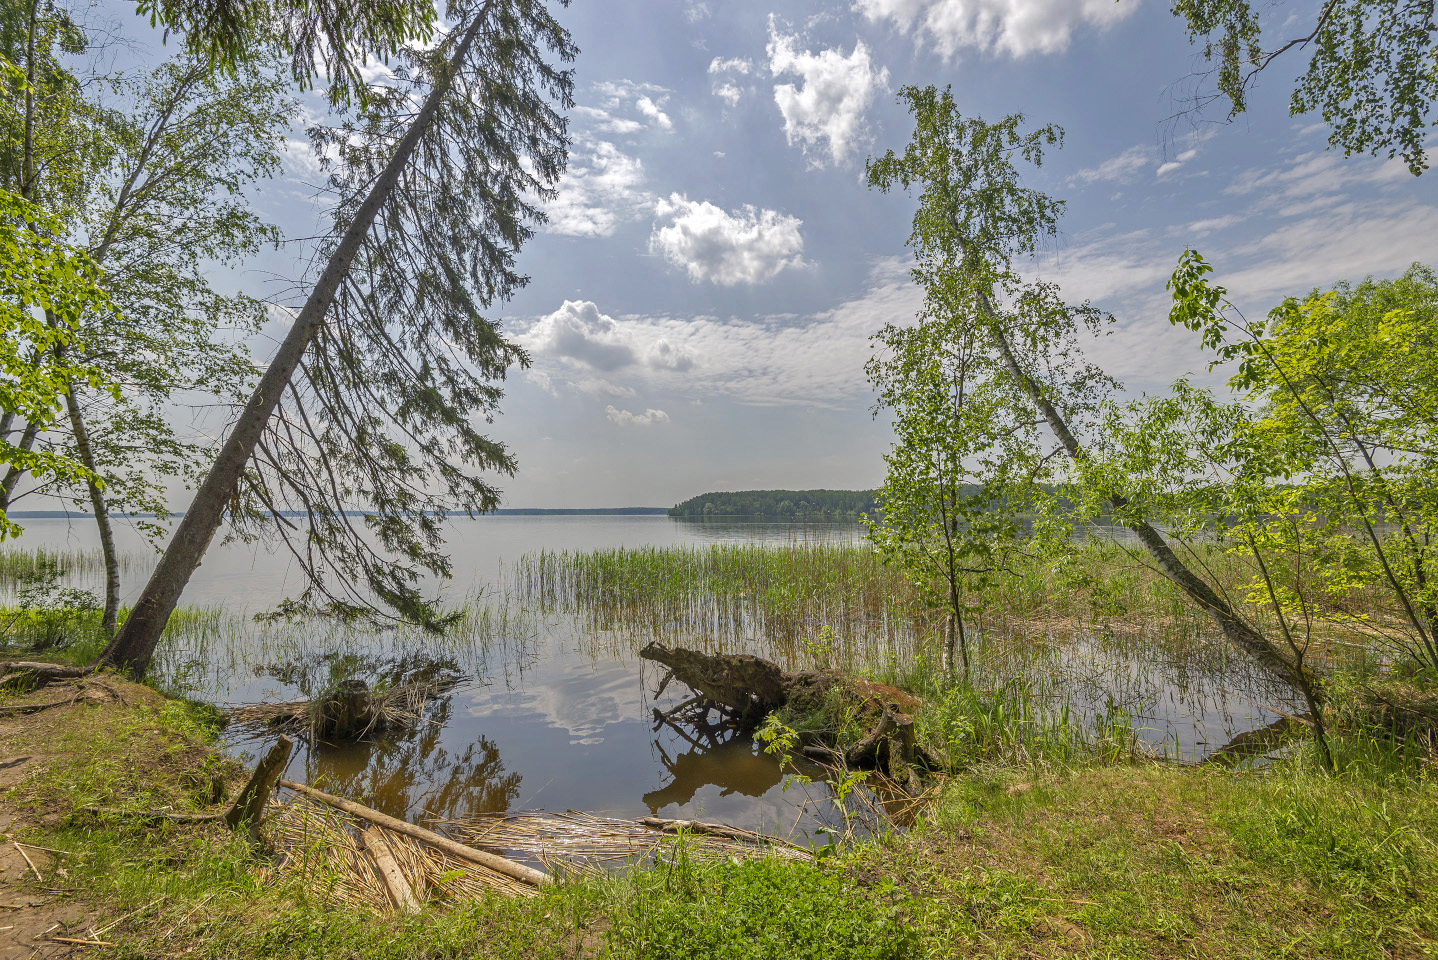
<point>746,246</point>
<point>600,388</point>
<point>1177,162</point>
<point>808,360</point>
<point>664,355</point>
<point>826,111</point>
<point>726,87</point>
<point>696,11</point>
<point>602,188</point>
<point>1014,27</point>
<point>652,110</point>
<point>602,121</point>
<point>1120,169</point>
<point>730,93</point>
<point>733,64</point>
<point>577,331</point>
<point>626,419</point>
<point>609,100</point>
<point>1202,228</point>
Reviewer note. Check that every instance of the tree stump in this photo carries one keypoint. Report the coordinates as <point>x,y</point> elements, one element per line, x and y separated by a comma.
<point>347,712</point>
<point>747,687</point>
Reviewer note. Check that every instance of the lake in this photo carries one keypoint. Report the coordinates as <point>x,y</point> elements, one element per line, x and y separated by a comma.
<point>557,712</point>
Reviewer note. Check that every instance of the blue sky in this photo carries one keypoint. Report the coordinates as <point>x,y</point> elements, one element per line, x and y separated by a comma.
<point>703,295</point>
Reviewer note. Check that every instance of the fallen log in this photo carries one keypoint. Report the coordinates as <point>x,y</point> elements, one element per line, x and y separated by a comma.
<point>388,869</point>
<point>454,848</point>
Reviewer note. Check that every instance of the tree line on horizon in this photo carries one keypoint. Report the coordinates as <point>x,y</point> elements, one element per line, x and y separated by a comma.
<point>779,505</point>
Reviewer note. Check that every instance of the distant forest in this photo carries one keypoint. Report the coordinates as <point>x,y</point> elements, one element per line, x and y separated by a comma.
<point>778,505</point>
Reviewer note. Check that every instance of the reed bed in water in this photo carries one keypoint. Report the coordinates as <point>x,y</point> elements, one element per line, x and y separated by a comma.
<point>724,594</point>
<point>19,565</point>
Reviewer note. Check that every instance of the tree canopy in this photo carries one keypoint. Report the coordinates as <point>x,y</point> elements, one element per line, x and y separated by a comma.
<point>1372,70</point>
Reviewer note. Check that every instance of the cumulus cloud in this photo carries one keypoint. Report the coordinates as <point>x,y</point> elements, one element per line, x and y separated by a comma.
<point>664,355</point>
<point>746,246</point>
<point>803,359</point>
<point>577,331</point>
<point>824,112</point>
<point>652,110</point>
<point>602,188</point>
<point>726,85</point>
<point>1014,27</point>
<point>626,419</point>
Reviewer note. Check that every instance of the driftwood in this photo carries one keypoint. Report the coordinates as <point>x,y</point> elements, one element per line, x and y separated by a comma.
<point>746,686</point>
<point>16,674</point>
<point>399,889</point>
<point>249,807</point>
<point>454,848</point>
<point>744,689</point>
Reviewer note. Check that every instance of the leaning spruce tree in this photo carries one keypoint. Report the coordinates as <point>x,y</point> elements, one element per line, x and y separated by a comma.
<point>369,400</point>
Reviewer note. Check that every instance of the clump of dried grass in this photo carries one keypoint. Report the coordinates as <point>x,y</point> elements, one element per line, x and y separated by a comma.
<point>400,706</point>
<point>323,847</point>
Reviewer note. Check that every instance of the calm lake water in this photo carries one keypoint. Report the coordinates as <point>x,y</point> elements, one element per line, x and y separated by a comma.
<point>556,716</point>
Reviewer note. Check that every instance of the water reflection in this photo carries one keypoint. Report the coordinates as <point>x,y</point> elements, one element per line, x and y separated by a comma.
<point>736,766</point>
<point>557,716</point>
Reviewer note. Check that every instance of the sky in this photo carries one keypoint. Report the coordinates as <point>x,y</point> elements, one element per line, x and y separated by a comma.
<point>704,293</point>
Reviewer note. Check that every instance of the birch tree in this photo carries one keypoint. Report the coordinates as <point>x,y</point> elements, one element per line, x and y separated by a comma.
<point>975,227</point>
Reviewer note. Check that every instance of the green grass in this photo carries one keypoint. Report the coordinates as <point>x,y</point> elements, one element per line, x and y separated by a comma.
<point>1161,861</point>
<point>1083,860</point>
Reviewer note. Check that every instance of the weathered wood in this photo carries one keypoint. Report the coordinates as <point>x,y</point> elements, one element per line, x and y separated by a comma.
<point>716,830</point>
<point>454,848</point>
<point>18,673</point>
<point>249,807</point>
<point>394,879</point>
<point>746,686</point>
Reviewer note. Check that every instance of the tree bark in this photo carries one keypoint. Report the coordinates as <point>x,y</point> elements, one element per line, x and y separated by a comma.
<point>394,879</point>
<point>1234,628</point>
<point>249,807</point>
<point>102,513</point>
<point>13,475</point>
<point>134,644</point>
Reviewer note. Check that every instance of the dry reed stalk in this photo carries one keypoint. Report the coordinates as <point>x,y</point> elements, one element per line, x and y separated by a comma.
<point>402,706</point>
<point>323,847</point>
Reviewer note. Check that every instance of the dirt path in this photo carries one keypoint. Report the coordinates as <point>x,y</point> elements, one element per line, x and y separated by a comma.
<point>38,904</point>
